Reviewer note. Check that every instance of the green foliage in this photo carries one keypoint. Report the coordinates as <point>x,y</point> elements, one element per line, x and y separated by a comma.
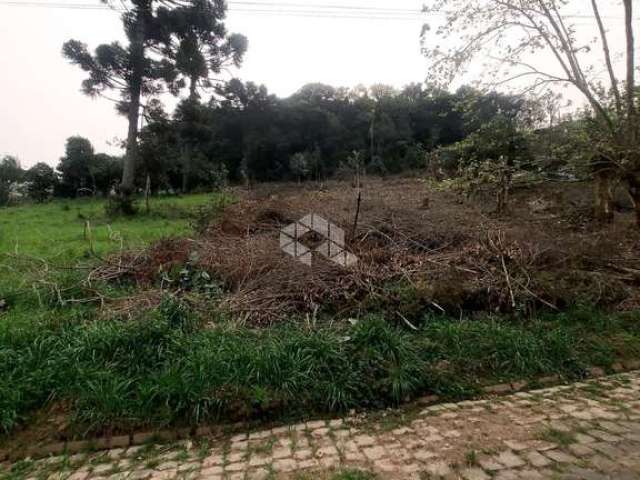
<point>83,172</point>
<point>558,437</point>
<point>312,133</point>
<point>10,170</point>
<point>166,369</point>
<point>200,42</point>
<point>10,173</point>
<point>42,181</point>
<point>74,168</point>
<point>117,205</point>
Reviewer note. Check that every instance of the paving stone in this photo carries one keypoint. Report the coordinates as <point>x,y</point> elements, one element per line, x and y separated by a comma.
<point>613,427</point>
<point>316,424</point>
<point>601,413</point>
<point>211,471</point>
<point>602,435</point>
<point>240,446</point>
<point>259,474</point>
<point>172,474</point>
<point>580,450</point>
<point>530,475</point>
<point>490,464</point>
<point>261,435</point>
<point>586,474</point>
<point>141,474</point>
<point>185,467</point>
<point>336,423</point>
<point>542,446</point>
<point>303,454</point>
<point>385,465</point>
<point>437,467</point>
<point>583,438</point>
<point>560,457</point>
<point>603,464</point>
<point>634,437</point>
<point>235,467</point>
<point>507,475</point>
<point>320,432</point>
<point>515,446</point>
<point>354,456</point>
<point>607,449</point>
<point>510,459</point>
<point>284,465</point>
<point>102,469</point>
<point>327,451</point>
<point>424,455</point>
<point>171,465</point>
<point>537,459</point>
<point>278,453</point>
<point>259,460</point>
<point>582,415</point>
<point>560,426</point>
<point>364,440</point>
<point>79,475</point>
<point>474,474</point>
<point>374,453</point>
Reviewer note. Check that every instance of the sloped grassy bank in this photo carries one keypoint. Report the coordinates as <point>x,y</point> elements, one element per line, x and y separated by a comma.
<point>168,369</point>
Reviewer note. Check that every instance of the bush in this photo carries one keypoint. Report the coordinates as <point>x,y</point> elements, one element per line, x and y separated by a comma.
<point>118,205</point>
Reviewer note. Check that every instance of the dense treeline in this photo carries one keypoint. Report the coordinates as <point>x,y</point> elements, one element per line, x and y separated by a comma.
<point>80,172</point>
<point>245,134</point>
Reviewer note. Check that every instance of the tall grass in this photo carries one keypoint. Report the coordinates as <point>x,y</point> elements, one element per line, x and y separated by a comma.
<point>166,370</point>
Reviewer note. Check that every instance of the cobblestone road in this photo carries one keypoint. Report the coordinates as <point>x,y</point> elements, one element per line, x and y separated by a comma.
<point>585,431</point>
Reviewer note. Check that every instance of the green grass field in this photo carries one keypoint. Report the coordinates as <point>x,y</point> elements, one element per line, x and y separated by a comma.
<point>56,230</point>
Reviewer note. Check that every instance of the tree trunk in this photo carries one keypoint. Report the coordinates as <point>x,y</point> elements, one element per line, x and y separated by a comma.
<point>193,88</point>
<point>186,149</point>
<point>135,88</point>
<point>630,98</point>
<point>634,193</point>
<point>186,168</point>
<point>604,196</point>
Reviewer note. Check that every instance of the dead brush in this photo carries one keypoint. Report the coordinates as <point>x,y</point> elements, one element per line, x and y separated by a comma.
<point>461,259</point>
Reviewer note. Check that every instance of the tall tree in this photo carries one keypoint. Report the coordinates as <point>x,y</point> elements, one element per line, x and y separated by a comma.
<point>131,70</point>
<point>10,172</point>
<point>42,181</point>
<point>75,168</point>
<point>201,48</point>
<point>507,34</point>
<point>10,169</point>
<point>200,44</point>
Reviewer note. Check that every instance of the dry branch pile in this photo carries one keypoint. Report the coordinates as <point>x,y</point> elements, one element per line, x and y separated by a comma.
<point>449,256</point>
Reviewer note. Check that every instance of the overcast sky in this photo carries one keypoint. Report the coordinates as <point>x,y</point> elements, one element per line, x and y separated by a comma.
<point>41,100</point>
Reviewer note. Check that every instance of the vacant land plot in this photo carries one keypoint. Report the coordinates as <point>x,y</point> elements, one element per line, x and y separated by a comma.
<point>217,324</point>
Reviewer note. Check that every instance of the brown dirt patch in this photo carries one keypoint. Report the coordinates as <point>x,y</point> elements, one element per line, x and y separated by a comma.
<point>446,254</point>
